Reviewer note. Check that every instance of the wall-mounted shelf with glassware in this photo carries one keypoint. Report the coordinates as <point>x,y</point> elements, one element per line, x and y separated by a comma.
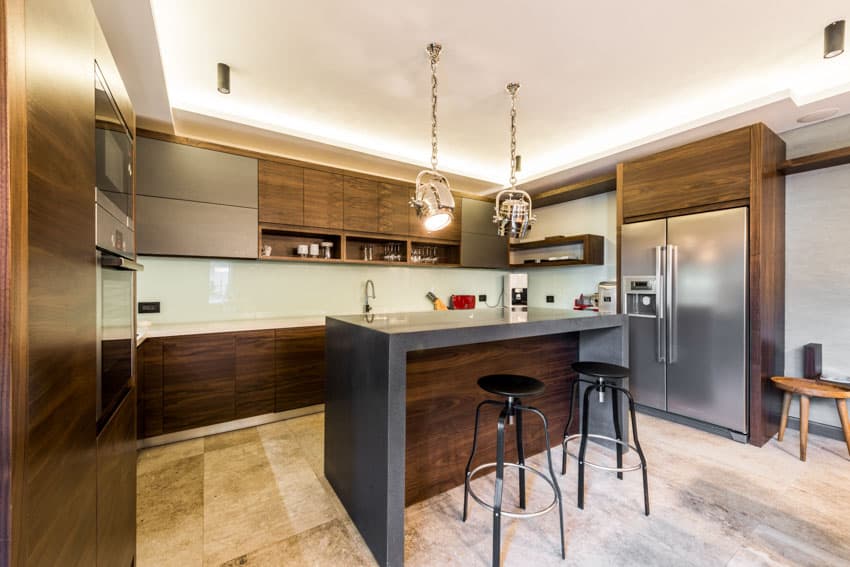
<point>295,244</point>
<point>578,250</point>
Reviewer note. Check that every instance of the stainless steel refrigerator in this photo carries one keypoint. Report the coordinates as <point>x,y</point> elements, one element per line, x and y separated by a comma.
<point>685,291</point>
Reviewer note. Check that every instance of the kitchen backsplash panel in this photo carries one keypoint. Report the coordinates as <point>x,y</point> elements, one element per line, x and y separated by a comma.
<point>195,289</point>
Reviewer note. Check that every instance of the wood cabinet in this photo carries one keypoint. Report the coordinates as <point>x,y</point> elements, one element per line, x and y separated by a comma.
<point>480,245</point>
<point>255,373</point>
<point>116,487</point>
<point>393,209</point>
<point>281,193</point>
<point>699,174</point>
<point>360,204</point>
<point>300,361</point>
<point>198,380</point>
<point>323,198</point>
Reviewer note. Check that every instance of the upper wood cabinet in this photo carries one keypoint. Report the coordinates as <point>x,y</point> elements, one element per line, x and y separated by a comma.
<point>323,199</point>
<point>451,232</point>
<point>703,173</point>
<point>393,209</point>
<point>360,204</point>
<point>480,245</point>
<point>281,193</point>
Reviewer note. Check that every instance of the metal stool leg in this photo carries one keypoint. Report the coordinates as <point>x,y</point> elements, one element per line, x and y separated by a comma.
<point>472,454</point>
<point>573,391</point>
<point>554,477</point>
<point>500,476</point>
<point>638,448</point>
<point>585,411</point>
<point>615,406</point>
<point>520,455</point>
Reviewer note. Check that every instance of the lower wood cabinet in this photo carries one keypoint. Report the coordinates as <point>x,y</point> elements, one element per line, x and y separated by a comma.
<point>116,487</point>
<point>198,380</point>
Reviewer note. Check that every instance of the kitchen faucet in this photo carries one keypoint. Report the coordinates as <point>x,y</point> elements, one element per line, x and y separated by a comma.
<point>367,308</point>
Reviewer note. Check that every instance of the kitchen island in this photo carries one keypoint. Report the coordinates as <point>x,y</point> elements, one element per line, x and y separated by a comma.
<point>401,395</point>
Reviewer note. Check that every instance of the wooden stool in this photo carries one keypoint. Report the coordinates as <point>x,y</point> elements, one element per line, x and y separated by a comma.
<point>808,388</point>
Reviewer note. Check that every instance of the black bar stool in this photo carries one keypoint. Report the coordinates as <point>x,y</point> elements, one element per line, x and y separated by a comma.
<point>512,387</point>
<point>605,374</point>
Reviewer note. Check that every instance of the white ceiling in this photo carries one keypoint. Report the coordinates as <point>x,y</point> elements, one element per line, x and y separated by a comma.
<point>598,79</point>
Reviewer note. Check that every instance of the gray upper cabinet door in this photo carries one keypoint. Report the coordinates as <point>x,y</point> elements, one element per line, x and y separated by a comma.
<point>480,246</point>
<point>176,171</point>
<point>173,227</point>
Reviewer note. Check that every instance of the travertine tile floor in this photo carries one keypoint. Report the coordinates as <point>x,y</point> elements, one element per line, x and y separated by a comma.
<point>257,497</point>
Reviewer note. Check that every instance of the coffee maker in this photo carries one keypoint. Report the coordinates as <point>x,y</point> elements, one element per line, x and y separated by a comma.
<point>516,292</point>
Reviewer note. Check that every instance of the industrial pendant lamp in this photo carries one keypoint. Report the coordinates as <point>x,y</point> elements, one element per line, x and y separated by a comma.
<point>513,206</point>
<point>433,199</point>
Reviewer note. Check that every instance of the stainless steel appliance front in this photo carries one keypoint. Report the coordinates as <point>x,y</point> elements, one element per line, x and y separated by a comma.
<point>691,357</point>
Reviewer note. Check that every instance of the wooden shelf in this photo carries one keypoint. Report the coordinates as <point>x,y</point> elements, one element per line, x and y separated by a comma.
<point>592,245</point>
<point>831,158</point>
<point>594,186</point>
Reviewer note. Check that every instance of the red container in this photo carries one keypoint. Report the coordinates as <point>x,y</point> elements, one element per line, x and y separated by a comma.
<point>462,302</point>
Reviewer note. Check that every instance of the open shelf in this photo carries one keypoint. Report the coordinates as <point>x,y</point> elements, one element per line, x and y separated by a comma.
<point>387,251</point>
<point>424,250</point>
<point>285,242</point>
<point>578,250</point>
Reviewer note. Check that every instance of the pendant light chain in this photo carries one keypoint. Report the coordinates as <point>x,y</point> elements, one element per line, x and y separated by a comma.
<point>434,52</point>
<point>513,88</point>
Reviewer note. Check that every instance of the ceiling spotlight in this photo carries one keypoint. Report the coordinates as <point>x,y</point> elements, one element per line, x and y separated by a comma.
<point>433,199</point>
<point>223,78</point>
<point>513,206</point>
<point>833,39</point>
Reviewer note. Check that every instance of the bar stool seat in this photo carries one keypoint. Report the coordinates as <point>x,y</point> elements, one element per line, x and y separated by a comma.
<point>604,374</point>
<point>512,387</point>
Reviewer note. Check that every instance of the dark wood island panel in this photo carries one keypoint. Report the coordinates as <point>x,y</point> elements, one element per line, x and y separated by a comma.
<point>442,394</point>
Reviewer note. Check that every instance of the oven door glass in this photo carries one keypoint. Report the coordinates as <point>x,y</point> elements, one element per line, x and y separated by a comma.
<point>116,340</point>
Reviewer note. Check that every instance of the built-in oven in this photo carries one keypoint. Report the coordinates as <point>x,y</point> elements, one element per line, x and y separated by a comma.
<point>115,250</point>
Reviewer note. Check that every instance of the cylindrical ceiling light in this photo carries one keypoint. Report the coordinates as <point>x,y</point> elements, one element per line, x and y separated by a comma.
<point>513,206</point>
<point>223,78</point>
<point>433,200</point>
<point>833,39</point>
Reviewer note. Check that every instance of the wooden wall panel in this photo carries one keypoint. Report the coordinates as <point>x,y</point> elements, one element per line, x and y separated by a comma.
<point>255,373</point>
<point>61,465</point>
<point>281,193</point>
<point>300,361</point>
<point>360,204</point>
<point>13,280</point>
<point>393,209</point>
<point>701,173</point>
<point>149,367</point>
<point>442,394</point>
<point>116,487</point>
<point>767,283</point>
<point>199,386</point>
<point>323,196</point>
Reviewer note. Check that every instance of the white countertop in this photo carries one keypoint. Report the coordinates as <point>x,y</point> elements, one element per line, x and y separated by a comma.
<point>148,329</point>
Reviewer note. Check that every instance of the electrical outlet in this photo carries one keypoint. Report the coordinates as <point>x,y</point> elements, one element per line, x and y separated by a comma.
<point>550,299</point>
<point>149,307</point>
<point>482,297</point>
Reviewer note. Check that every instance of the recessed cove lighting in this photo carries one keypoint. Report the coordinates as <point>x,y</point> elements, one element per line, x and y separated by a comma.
<point>833,39</point>
<point>223,78</point>
<point>817,115</point>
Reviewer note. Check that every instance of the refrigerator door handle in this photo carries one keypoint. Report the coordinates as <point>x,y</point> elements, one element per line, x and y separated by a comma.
<point>672,300</point>
<point>660,343</point>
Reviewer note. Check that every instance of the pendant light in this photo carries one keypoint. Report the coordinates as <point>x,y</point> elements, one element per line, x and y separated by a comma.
<point>433,199</point>
<point>513,206</point>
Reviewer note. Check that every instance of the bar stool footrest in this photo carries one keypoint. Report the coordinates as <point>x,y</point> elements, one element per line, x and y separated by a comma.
<point>629,468</point>
<point>489,506</point>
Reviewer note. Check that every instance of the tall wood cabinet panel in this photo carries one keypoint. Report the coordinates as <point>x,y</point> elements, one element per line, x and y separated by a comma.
<point>116,487</point>
<point>198,381</point>
<point>300,361</point>
<point>702,173</point>
<point>281,193</point>
<point>323,197</point>
<point>360,204</point>
<point>149,366</point>
<point>393,209</point>
<point>255,373</point>
<point>451,232</point>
